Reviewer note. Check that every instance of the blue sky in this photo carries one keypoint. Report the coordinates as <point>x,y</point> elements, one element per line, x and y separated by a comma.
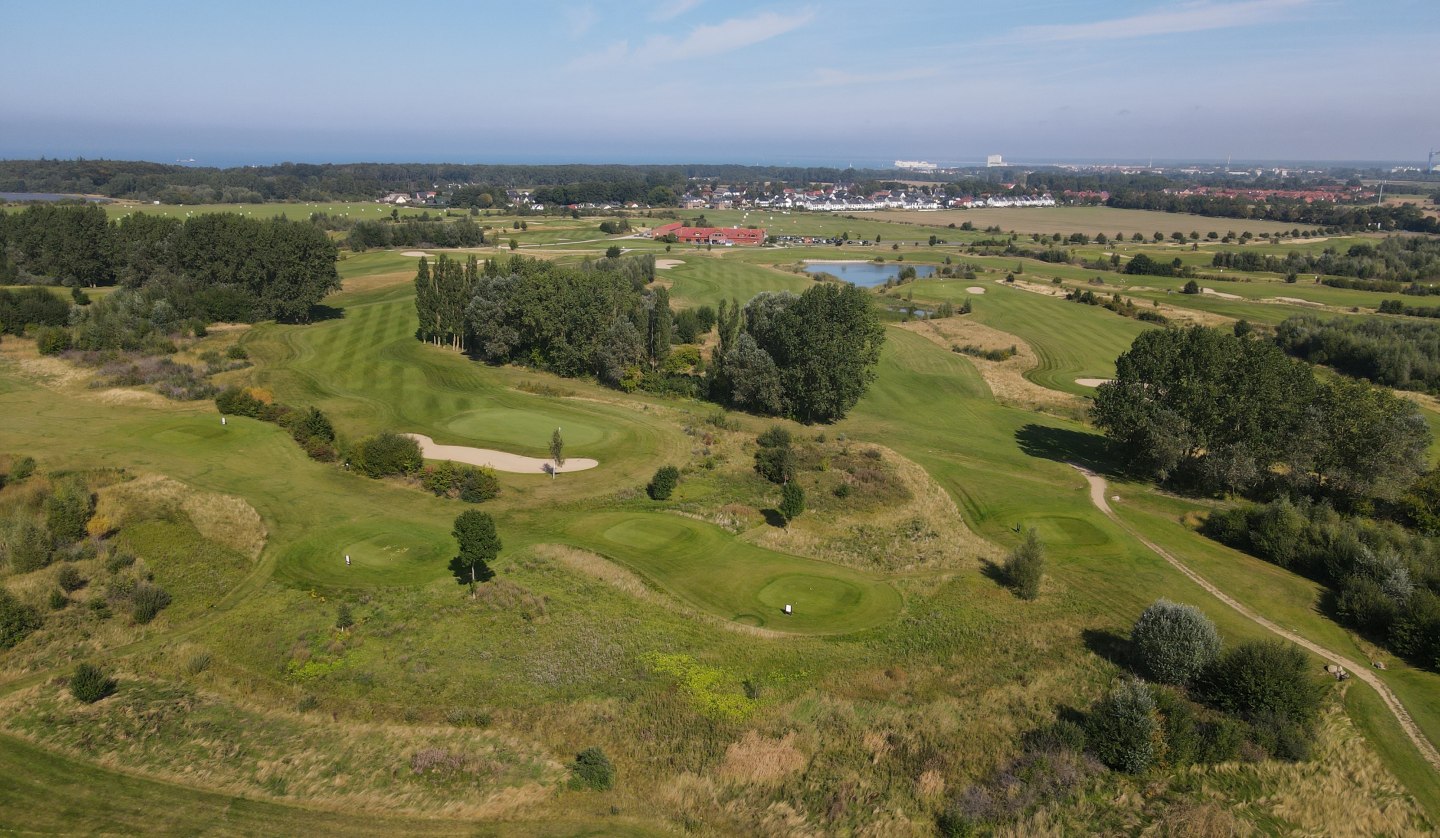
<point>707,81</point>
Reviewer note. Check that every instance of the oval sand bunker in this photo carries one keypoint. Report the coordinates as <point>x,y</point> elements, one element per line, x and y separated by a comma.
<point>414,254</point>
<point>974,289</point>
<point>1091,382</point>
<point>498,460</point>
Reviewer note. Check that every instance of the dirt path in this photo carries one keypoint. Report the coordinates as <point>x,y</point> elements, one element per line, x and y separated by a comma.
<point>1361,671</point>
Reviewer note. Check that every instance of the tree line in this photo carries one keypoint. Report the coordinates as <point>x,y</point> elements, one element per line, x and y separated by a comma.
<point>1288,210</point>
<point>368,234</point>
<point>1386,579</point>
<point>215,266</point>
<point>808,356</point>
<point>1394,353</point>
<point>1217,412</point>
<point>1395,261</point>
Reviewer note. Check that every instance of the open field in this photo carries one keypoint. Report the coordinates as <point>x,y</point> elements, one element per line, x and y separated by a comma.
<point>1091,220</point>
<point>670,650</point>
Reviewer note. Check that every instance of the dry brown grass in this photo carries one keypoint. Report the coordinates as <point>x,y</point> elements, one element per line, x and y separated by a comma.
<point>761,760</point>
<point>1006,379</point>
<point>234,748</point>
<point>224,519</point>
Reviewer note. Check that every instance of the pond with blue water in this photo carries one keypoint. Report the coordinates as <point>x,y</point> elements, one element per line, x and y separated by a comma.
<point>866,274</point>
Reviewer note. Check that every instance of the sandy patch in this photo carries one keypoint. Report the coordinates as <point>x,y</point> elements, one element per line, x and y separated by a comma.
<point>415,253</point>
<point>974,289</point>
<point>667,264</point>
<point>1299,302</point>
<point>1221,294</point>
<point>498,460</point>
<point>1091,382</point>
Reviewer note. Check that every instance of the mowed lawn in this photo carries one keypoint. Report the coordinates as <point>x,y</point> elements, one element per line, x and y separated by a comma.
<point>706,566</point>
<point>1070,340</point>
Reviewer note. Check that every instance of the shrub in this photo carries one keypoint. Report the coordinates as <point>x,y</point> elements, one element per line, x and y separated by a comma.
<point>1174,642</point>
<point>17,620</point>
<point>662,485</point>
<point>842,491</point>
<point>1122,729</point>
<point>68,510</point>
<point>146,601</point>
<point>775,437</point>
<point>776,464</point>
<point>58,600</point>
<point>792,501</point>
<point>592,770</point>
<point>69,578</point>
<point>22,468</point>
<point>343,618</point>
<point>1025,565</point>
<point>1260,678</point>
<point>90,684</point>
<point>26,544</point>
<point>52,340</point>
<point>237,401</point>
<point>387,453</point>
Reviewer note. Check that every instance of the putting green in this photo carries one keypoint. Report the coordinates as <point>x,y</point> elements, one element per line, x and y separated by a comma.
<point>519,429</point>
<point>382,552</point>
<point>706,566</point>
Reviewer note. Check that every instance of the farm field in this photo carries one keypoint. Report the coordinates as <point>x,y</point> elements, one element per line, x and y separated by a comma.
<point>653,629</point>
<point>1090,220</point>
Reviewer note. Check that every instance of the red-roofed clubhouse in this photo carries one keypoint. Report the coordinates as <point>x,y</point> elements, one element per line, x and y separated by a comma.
<point>710,235</point>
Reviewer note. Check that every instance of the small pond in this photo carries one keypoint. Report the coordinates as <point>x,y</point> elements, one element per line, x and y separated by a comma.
<point>866,274</point>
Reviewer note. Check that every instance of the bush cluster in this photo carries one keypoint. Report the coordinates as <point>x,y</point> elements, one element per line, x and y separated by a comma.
<point>592,770</point>
<point>89,683</point>
<point>662,485</point>
<point>1386,579</point>
<point>385,454</point>
<point>471,484</point>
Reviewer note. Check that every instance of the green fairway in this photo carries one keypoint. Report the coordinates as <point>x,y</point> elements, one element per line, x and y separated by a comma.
<point>382,552</point>
<point>1070,340</point>
<point>706,280</point>
<point>737,581</point>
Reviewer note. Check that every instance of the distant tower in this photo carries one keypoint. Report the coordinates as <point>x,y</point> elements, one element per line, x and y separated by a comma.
<point>1430,166</point>
<point>994,160</point>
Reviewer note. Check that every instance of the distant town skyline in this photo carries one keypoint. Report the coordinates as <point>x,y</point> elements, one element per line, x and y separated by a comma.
<point>701,81</point>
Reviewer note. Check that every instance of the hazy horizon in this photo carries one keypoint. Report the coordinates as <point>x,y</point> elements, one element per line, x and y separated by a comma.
<point>693,81</point>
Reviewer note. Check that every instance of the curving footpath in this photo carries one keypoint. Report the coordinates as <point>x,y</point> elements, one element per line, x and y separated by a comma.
<point>1364,673</point>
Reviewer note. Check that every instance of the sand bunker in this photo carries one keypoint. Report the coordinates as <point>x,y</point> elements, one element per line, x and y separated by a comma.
<point>1299,302</point>
<point>1221,294</point>
<point>1091,382</point>
<point>498,460</point>
<point>665,264</point>
<point>416,254</point>
<point>974,289</point>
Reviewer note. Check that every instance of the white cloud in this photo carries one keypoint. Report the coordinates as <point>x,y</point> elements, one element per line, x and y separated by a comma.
<point>672,9</point>
<point>1190,17</point>
<point>703,41</point>
<point>579,19</point>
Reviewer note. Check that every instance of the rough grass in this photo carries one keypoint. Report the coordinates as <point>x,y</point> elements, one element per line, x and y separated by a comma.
<point>228,520</point>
